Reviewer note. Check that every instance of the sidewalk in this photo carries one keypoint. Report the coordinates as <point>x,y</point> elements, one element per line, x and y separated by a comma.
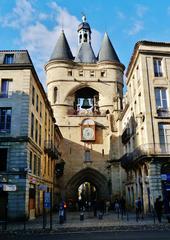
<point>110,221</point>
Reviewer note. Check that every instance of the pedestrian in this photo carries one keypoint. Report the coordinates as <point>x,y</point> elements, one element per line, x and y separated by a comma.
<point>117,206</point>
<point>123,206</point>
<point>158,208</point>
<point>139,208</point>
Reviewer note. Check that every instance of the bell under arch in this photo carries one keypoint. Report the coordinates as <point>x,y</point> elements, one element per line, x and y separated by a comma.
<point>98,180</point>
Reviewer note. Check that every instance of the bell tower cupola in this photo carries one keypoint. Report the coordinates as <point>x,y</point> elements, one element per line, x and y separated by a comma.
<point>84,32</point>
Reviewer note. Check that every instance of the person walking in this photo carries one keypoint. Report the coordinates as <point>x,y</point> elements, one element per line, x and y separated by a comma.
<point>139,210</point>
<point>158,208</point>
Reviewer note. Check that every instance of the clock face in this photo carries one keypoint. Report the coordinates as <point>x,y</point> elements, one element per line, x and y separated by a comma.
<point>88,133</point>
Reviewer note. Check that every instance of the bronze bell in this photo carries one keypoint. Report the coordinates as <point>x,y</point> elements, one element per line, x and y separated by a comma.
<point>86,103</point>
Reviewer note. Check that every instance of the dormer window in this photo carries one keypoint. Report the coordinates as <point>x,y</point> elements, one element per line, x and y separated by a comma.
<point>9,58</point>
<point>81,73</point>
<point>103,73</point>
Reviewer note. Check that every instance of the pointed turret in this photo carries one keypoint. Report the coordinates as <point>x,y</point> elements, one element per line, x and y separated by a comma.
<point>107,52</point>
<point>85,54</point>
<point>62,50</point>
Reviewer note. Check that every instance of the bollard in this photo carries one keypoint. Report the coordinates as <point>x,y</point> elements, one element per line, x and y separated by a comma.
<point>82,216</point>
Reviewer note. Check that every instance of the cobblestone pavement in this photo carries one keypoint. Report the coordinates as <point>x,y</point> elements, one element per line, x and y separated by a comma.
<point>110,220</point>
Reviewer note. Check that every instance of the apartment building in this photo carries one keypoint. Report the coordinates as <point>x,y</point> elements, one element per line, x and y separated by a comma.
<point>146,125</point>
<point>29,139</point>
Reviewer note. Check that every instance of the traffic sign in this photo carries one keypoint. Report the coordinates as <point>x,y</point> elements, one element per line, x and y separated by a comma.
<point>47,200</point>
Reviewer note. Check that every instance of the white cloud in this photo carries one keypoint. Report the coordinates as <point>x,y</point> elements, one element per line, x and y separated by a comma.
<point>136,28</point>
<point>141,10</point>
<point>21,15</point>
<point>35,36</point>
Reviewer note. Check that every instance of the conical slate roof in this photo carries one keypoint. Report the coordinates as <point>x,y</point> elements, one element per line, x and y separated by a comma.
<point>62,50</point>
<point>85,54</point>
<point>107,52</point>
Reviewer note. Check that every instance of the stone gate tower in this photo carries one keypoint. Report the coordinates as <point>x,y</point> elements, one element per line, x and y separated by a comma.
<point>86,93</point>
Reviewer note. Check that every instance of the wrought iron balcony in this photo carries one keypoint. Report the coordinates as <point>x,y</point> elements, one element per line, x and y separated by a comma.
<point>145,150</point>
<point>50,149</point>
<point>59,168</point>
<point>6,94</point>
<point>163,113</point>
<point>126,135</point>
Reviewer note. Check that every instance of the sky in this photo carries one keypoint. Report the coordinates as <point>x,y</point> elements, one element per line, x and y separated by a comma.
<point>35,25</point>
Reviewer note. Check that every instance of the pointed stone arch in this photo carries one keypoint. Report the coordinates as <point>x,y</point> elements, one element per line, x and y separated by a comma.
<point>81,86</point>
<point>88,175</point>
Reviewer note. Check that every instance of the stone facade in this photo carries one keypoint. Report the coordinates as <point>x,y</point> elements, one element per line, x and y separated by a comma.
<point>146,124</point>
<point>27,135</point>
<point>71,82</point>
<point>130,151</point>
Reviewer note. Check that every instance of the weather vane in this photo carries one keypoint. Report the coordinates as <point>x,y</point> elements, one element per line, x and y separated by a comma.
<point>83,17</point>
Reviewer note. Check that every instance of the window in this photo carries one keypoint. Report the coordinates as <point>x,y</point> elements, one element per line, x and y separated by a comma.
<point>70,73</point>
<point>37,102</point>
<point>40,135</point>
<point>32,125</point>
<point>39,166</point>
<point>40,109</point>
<point>164,136</point>
<point>55,95</point>
<point>5,119</point>
<point>35,164</point>
<point>3,159</point>
<point>46,118</point>
<point>4,88</point>
<point>161,98</point>
<point>9,58</point>
<point>33,95</point>
<point>92,73</point>
<point>81,73</point>
<point>36,131</point>
<point>45,164</point>
<point>85,37</point>
<point>158,67</point>
<point>138,75</point>
<point>30,162</point>
<point>103,73</point>
<point>87,156</point>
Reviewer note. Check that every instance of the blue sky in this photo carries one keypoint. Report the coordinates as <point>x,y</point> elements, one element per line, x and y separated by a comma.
<point>36,24</point>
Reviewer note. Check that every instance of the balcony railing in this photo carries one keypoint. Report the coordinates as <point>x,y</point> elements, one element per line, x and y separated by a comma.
<point>145,150</point>
<point>50,149</point>
<point>163,113</point>
<point>85,113</point>
<point>126,135</point>
<point>6,94</point>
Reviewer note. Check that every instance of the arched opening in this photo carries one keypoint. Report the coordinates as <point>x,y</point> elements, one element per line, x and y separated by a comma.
<point>87,194</point>
<point>85,37</point>
<point>55,95</point>
<point>80,38</point>
<point>96,183</point>
<point>86,101</point>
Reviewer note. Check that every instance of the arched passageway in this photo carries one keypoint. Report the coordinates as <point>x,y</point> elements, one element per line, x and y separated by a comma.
<point>91,176</point>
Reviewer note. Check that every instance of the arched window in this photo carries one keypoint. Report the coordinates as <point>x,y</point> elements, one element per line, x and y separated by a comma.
<point>85,37</point>
<point>55,95</point>
<point>80,38</point>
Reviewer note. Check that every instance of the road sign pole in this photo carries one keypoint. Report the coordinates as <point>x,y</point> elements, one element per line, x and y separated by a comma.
<point>44,213</point>
<point>51,216</point>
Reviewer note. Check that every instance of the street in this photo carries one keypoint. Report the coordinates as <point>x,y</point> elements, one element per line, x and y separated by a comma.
<point>118,235</point>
